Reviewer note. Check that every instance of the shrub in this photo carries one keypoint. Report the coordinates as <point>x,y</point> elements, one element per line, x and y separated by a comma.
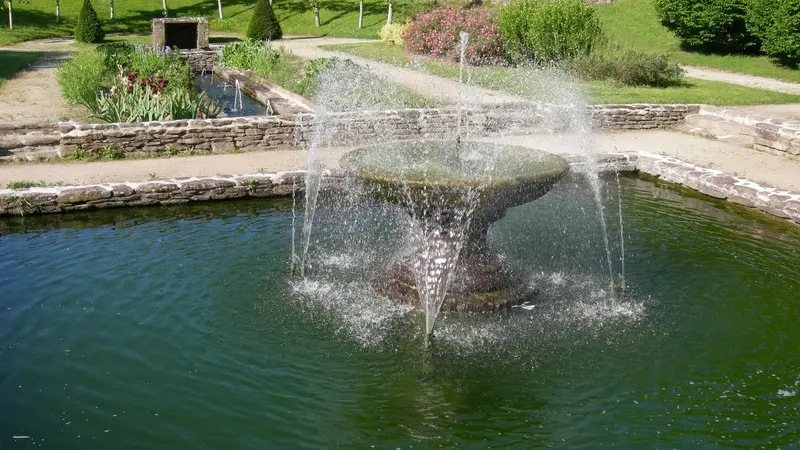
<point>549,30</point>
<point>264,25</point>
<point>710,25</point>
<point>630,68</point>
<point>88,27</point>
<point>437,33</point>
<point>170,66</point>
<point>82,76</point>
<point>393,34</point>
<point>777,24</point>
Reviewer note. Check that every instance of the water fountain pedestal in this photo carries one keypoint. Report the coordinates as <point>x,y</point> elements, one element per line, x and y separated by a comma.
<point>454,191</point>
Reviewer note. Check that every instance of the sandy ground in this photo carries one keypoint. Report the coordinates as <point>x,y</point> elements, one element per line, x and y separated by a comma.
<point>34,96</point>
<point>769,169</point>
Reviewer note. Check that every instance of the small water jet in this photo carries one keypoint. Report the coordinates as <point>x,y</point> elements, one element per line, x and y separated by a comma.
<point>454,191</point>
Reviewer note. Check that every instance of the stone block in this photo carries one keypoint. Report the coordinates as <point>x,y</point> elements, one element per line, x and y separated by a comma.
<point>83,194</point>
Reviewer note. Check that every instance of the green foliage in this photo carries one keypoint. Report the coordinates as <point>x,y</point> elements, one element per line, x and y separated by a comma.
<point>149,64</point>
<point>82,76</point>
<point>137,103</point>
<point>25,184</point>
<point>116,54</point>
<point>112,152</point>
<point>393,34</point>
<point>777,24</point>
<point>88,27</point>
<point>264,25</point>
<point>629,68</point>
<point>709,25</point>
<point>549,30</point>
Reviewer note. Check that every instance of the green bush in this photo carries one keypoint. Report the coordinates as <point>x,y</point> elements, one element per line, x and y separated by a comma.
<point>629,68</point>
<point>88,27</point>
<point>549,30</point>
<point>709,25</point>
<point>264,25</point>
<point>150,64</point>
<point>82,76</point>
<point>777,24</point>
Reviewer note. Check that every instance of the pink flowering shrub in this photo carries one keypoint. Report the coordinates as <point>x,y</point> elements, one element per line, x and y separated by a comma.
<point>436,33</point>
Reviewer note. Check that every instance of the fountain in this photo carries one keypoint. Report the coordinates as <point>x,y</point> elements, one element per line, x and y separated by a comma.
<point>453,192</point>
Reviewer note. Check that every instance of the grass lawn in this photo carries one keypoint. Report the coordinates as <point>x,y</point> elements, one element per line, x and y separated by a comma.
<point>12,62</point>
<point>634,24</point>
<point>524,82</point>
<point>36,20</point>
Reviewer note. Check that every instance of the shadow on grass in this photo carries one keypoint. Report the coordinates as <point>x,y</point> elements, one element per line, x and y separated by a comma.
<point>12,62</point>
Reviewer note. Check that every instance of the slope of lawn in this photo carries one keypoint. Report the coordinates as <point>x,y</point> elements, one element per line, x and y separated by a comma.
<point>12,62</point>
<point>523,82</point>
<point>634,24</point>
<point>36,19</point>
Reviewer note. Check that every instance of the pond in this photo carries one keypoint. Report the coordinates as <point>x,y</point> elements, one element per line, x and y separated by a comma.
<point>183,328</point>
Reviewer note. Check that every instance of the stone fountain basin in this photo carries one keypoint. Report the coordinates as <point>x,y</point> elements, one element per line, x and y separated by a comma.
<point>437,182</point>
<point>417,174</point>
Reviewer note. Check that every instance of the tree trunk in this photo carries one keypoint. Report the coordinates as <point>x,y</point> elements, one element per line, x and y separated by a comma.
<point>164,6</point>
<point>111,9</point>
<point>10,15</point>
<point>58,11</point>
<point>219,6</point>
<point>316,14</point>
<point>360,14</point>
<point>389,17</point>
<point>270,2</point>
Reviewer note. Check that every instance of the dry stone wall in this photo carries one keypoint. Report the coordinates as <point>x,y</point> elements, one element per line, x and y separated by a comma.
<point>277,132</point>
<point>200,60</point>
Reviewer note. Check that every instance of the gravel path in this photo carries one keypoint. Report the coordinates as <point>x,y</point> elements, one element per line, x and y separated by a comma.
<point>752,81</point>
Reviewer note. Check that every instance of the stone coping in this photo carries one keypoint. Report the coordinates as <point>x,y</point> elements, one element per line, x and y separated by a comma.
<point>768,133</point>
<point>43,200</point>
<point>265,90</point>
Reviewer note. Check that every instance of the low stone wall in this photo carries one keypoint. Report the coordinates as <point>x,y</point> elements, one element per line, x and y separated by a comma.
<point>717,184</point>
<point>283,102</point>
<point>348,128</point>
<point>169,192</point>
<point>714,183</point>
<point>200,60</point>
<point>767,133</point>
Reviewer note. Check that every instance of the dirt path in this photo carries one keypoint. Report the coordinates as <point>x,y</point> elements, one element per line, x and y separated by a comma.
<point>752,81</point>
<point>431,86</point>
<point>33,96</point>
<point>765,168</point>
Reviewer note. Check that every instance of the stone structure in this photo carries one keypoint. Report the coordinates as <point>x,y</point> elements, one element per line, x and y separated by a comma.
<point>200,60</point>
<point>763,132</point>
<point>276,132</point>
<point>283,101</point>
<point>779,203</point>
<point>185,33</point>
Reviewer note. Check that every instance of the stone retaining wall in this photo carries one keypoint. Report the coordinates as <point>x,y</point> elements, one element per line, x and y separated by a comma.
<point>714,183</point>
<point>767,133</point>
<point>170,192</point>
<point>276,132</point>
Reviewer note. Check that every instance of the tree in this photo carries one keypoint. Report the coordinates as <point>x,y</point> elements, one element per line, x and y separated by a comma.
<point>58,11</point>
<point>709,25</point>
<point>264,25</point>
<point>219,6</point>
<point>777,24</point>
<point>389,16</point>
<point>88,27</point>
<point>111,9</point>
<point>360,14</point>
<point>164,7</point>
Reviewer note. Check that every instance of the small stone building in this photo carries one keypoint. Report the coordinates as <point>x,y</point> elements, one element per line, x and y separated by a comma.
<point>185,33</point>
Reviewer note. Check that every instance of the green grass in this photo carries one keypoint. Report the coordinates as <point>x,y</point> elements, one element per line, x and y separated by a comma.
<point>24,184</point>
<point>12,62</point>
<point>634,24</point>
<point>36,20</point>
<point>521,82</point>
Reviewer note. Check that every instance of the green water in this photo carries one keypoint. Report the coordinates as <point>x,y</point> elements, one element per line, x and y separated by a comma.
<point>180,328</point>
